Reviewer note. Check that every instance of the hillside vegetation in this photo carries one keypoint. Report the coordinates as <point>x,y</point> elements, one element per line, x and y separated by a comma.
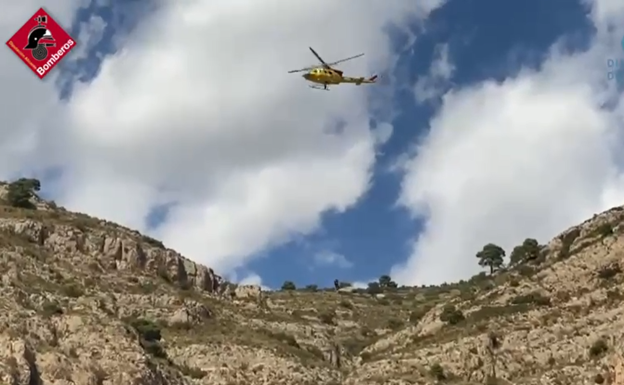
<point>86,301</point>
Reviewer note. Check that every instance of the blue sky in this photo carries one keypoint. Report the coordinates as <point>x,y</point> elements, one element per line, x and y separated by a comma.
<point>485,40</point>
<point>488,39</point>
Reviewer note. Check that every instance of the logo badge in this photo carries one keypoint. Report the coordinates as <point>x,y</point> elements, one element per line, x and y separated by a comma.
<point>41,43</point>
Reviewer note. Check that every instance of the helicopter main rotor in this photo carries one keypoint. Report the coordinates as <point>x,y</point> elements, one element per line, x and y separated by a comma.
<point>324,64</point>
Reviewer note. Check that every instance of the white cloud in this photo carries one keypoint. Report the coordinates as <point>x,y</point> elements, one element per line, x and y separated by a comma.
<point>442,67</point>
<point>253,279</point>
<point>362,284</point>
<point>605,13</point>
<point>523,158</point>
<point>91,33</point>
<point>200,112</point>
<point>383,132</point>
<point>435,83</point>
<point>330,258</point>
<point>248,278</point>
<point>29,106</point>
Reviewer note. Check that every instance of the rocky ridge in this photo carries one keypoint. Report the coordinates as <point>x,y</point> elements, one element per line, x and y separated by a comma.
<point>90,302</point>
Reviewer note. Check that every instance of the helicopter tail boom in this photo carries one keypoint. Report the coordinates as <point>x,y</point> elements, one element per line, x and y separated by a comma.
<point>360,80</point>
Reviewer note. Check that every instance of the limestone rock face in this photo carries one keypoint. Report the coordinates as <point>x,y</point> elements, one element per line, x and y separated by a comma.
<point>248,292</point>
<point>86,301</point>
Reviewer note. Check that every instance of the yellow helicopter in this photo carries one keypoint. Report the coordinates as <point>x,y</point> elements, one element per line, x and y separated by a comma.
<point>326,75</point>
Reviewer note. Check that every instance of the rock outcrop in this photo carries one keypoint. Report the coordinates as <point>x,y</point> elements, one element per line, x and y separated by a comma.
<point>89,302</point>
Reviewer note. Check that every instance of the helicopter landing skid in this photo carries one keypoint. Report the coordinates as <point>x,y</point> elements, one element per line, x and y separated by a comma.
<point>319,88</point>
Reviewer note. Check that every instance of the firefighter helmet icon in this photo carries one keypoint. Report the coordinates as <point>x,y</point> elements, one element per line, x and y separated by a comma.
<point>39,38</point>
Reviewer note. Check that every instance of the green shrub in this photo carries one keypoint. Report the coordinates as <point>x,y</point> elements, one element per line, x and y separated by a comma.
<point>416,315</point>
<point>153,242</point>
<point>598,348</point>
<point>563,296</point>
<point>614,295</point>
<point>395,324</point>
<point>451,315</point>
<point>437,371</point>
<point>286,338</point>
<point>374,288</point>
<point>385,282</point>
<point>311,288</point>
<point>154,348</point>
<point>328,317</point>
<point>149,337</point>
<point>194,373</point>
<point>50,308</point>
<point>609,272</point>
<point>354,346</point>
<point>346,304</point>
<point>148,330</point>
<point>526,271</point>
<point>566,243</point>
<point>603,230</point>
<point>72,290</point>
<point>21,191</point>
<point>533,298</point>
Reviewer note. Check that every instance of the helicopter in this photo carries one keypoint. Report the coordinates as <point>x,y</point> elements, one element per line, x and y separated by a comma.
<point>326,75</point>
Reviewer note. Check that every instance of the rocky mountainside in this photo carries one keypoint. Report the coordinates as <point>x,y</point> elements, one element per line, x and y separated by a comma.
<point>88,302</point>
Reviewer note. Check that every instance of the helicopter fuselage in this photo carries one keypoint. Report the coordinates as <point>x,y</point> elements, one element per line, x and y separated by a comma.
<point>326,75</point>
<point>322,75</point>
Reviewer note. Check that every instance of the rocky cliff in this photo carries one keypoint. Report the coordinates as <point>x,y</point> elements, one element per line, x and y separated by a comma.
<point>89,302</point>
